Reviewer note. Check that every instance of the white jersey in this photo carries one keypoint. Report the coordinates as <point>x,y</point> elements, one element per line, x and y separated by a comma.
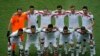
<point>49,38</point>
<point>83,36</point>
<point>45,19</point>
<point>14,38</point>
<point>49,34</point>
<point>32,19</point>
<point>32,39</point>
<point>14,34</point>
<point>73,19</point>
<point>87,20</point>
<point>59,18</point>
<point>32,36</point>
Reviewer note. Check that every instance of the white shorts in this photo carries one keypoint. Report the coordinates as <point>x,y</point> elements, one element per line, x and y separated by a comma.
<point>65,39</point>
<point>49,41</point>
<point>32,40</point>
<point>17,40</point>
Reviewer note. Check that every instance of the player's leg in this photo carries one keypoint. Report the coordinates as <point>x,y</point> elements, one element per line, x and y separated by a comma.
<point>92,48</point>
<point>42,39</point>
<point>84,42</point>
<point>71,43</point>
<point>92,40</point>
<point>93,43</point>
<point>54,42</point>
<point>50,47</point>
<point>37,45</point>
<point>65,47</point>
<point>78,44</point>
<point>27,45</point>
<point>61,42</point>
<point>13,45</point>
<point>46,44</point>
<point>21,49</point>
<point>9,50</point>
<point>71,38</point>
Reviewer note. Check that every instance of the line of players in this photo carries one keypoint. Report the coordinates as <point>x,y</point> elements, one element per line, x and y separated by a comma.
<point>50,33</point>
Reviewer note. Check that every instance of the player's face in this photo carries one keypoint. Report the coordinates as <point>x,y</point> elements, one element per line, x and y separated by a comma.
<point>73,10</point>
<point>65,31</point>
<point>20,33</point>
<point>31,10</point>
<point>19,12</point>
<point>85,11</point>
<point>33,30</point>
<point>83,31</point>
<point>50,29</point>
<point>59,10</point>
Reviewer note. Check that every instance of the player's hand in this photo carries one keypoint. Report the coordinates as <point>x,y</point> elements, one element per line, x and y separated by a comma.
<point>8,33</point>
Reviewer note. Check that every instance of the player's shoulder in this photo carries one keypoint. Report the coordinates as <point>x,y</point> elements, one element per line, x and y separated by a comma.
<point>89,31</point>
<point>27,30</point>
<point>14,14</point>
<point>14,33</point>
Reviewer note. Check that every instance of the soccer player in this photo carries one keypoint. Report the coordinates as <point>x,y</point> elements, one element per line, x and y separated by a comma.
<point>73,16</point>
<point>17,21</point>
<point>32,17</point>
<point>73,23</point>
<point>15,38</point>
<point>85,37</point>
<point>46,17</point>
<point>50,39</point>
<point>88,21</point>
<point>33,38</point>
<point>59,18</point>
<point>66,38</point>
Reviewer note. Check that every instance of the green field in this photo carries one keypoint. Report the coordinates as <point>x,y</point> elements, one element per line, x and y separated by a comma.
<point>8,7</point>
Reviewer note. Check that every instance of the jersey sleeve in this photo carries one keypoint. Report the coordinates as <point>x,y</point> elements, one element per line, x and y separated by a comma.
<point>13,34</point>
<point>60,30</point>
<point>27,30</point>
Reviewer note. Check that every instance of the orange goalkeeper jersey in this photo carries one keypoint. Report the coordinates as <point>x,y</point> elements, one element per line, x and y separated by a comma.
<point>17,21</point>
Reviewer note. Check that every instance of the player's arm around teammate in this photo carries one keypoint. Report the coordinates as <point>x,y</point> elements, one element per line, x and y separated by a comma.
<point>15,39</point>
<point>50,40</point>
<point>33,38</point>
<point>86,38</point>
<point>65,39</point>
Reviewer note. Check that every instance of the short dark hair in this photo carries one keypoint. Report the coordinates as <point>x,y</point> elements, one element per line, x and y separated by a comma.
<point>33,26</point>
<point>59,6</point>
<point>50,26</point>
<point>65,28</point>
<point>31,6</point>
<point>83,28</point>
<point>19,9</point>
<point>85,7</point>
<point>20,29</point>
